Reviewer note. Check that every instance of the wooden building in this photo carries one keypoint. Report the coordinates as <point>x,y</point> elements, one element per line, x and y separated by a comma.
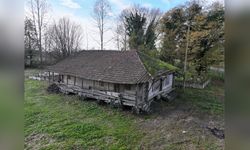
<point>128,78</point>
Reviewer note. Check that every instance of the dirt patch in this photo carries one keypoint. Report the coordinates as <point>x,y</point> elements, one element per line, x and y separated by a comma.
<point>37,141</point>
<point>178,127</point>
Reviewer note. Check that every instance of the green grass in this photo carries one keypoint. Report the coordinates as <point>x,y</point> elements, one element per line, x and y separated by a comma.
<point>154,65</point>
<point>54,121</point>
<point>209,100</point>
<point>71,123</point>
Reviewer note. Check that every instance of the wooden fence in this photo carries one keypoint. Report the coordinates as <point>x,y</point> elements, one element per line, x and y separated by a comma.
<point>193,85</point>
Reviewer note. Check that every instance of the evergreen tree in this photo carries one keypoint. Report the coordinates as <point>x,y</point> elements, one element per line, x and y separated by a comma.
<point>30,42</point>
<point>135,24</point>
<point>140,25</point>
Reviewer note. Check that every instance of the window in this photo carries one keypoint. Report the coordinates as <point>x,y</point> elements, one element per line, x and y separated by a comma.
<point>68,77</point>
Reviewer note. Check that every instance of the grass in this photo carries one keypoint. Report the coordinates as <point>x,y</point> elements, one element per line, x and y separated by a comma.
<point>54,121</point>
<point>208,100</point>
<point>71,123</point>
<point>153,65</point>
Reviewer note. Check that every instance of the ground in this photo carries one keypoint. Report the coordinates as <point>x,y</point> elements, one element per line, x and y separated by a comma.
<point>55,121</point>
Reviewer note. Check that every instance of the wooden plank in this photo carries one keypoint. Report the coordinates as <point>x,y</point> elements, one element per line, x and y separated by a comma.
<point>82,83</point>
<point>130,92</point>
<point>53,76</point>
<point>49,76</point>
<point>67,80</point>
<point>129,97</point>
<point>74,80</point>
<point>128,103</point>
<point>128,100</point>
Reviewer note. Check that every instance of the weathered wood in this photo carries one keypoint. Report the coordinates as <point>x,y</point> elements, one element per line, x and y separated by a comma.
<point>130,97</point>
<point>49,76</point>
<point>161,84</point>
<point>67,79</point>
<point>138,96</point>
<point>82,83</point>
<point>74,80</point>
<point>53,76</point>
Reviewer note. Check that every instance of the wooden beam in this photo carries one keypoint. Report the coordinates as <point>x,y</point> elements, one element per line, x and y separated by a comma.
<point>53,76</point>
<point>161,86</point>
<point>173,81</point>
<point>82,82</point>
<point>137,96</point>
<point>49,76</point>
<point>67,80</point>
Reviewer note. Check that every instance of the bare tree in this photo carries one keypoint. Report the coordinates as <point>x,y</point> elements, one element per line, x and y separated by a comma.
<point>120,32</point>
<point>39,11</point>
<point>117,36</point>
<point>87,38</point>
<point>66,37</point>
<point>153,18</point>
<point>101,13</point>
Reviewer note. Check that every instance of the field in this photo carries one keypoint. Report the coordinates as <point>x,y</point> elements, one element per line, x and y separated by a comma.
<point>54,121</point>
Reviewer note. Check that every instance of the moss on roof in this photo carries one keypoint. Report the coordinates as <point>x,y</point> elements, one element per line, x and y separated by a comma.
<point>154,65</point>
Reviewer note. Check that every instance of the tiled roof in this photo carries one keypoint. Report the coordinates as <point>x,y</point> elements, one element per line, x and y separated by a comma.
<point>108,66</point>
<point>125,67</point>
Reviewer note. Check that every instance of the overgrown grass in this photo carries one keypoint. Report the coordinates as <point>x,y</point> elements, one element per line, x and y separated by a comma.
<point>219,76</point>
<point>153,65</point>
<point>72,124</point>
<point>209,100</point>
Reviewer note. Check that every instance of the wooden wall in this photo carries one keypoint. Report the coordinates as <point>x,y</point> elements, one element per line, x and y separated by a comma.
<point>99,85</point>
<point>160,85</point>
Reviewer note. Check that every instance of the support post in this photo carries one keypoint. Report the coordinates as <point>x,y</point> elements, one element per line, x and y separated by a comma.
<point>53,76</point>
<point>74,80</point>
<point>49,76</point>
<point>82,83</point>
<point>173,81</point>
<point>67,79</point>
<point>136,93</point>
<point>161,84</point>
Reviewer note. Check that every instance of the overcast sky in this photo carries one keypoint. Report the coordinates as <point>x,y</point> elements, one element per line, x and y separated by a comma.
<point>80,11</point>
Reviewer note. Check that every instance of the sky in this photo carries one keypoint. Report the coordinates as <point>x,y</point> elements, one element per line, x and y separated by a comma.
<point>80,11</point>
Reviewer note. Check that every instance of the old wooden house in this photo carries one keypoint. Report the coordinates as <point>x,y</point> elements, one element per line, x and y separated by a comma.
<point>125,78</point>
